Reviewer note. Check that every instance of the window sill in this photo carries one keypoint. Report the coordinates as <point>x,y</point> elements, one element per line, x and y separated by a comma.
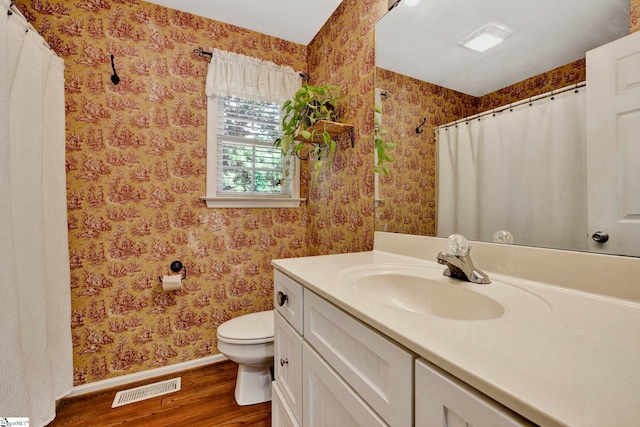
<point>252,202</point>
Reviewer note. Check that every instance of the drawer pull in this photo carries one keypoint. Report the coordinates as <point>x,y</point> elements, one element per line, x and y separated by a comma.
<point>281,298</point>
<point>284,362</point>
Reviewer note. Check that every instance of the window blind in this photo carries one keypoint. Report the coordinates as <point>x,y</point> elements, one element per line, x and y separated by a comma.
<point>247,162</point>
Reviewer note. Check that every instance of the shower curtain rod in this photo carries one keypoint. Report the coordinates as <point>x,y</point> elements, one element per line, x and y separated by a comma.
<point>530,100</point>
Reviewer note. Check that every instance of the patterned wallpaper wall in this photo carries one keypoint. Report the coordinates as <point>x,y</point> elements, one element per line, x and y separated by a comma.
<point>341,198</point>
<point>408,196</point>
<point>634,23</point>
<point>135,172</point>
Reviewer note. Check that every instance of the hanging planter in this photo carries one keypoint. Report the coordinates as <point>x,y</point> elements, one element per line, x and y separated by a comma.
<point>311,124</point>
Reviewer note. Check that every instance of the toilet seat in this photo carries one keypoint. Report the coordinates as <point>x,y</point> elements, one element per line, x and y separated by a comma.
<point>254,328</point>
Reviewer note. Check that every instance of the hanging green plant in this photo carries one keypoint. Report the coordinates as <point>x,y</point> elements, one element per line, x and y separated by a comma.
<point>307,124</point>
<point>381,146</point>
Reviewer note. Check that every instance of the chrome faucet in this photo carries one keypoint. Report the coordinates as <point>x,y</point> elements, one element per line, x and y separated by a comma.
<point>458,262</point>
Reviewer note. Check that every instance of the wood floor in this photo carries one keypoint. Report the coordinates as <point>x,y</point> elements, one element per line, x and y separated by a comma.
<point>205,399</point>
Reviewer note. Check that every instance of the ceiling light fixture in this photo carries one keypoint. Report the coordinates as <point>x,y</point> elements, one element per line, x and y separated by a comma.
<point>411,2</point>
<point>485,38</point>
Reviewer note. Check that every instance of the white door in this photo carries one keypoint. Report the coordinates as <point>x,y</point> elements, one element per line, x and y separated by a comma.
<point>613,145</point>
<point>288,364</point>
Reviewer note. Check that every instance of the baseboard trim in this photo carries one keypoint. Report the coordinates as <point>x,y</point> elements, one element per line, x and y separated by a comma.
<point>144,375</point>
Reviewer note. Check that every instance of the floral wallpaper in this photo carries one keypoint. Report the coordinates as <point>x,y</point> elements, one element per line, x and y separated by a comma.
<point>340,202</point>
<point>408,196</point>
<point>135,174</point>
<point>634,24</point>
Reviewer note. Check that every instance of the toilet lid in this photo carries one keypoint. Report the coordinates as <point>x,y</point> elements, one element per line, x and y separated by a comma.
<point>253,326</point>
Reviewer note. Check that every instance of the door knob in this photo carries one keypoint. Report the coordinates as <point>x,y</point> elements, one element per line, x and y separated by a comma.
<point>600,236</point>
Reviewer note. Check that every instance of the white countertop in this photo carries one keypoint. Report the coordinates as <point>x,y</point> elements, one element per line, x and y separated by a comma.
<point>575,364</point>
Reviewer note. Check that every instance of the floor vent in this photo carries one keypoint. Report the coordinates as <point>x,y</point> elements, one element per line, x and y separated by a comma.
<point>137,394</point>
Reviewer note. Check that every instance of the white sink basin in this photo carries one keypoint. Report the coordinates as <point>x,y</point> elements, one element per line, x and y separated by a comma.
<point>422,295</point>
<point>424,290</point>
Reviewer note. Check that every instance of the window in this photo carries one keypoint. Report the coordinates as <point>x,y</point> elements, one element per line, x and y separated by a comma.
<point>243,120</point>
<point>247,161</point>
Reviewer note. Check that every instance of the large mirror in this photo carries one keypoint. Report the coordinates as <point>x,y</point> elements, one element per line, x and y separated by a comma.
<point>426,78</point>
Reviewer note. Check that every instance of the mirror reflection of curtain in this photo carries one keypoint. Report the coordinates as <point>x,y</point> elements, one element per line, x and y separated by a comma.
<point>521,170</point>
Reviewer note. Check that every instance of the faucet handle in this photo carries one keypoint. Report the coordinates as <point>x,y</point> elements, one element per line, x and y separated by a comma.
<point>458,245</point>
<point>503,236</point>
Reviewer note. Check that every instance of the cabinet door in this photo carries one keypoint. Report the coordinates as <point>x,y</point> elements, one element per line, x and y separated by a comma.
<point>376,368</point>
<point>288,363</point>
<point>442,400</point>
<point>281,414</point>
<point>328,400</point>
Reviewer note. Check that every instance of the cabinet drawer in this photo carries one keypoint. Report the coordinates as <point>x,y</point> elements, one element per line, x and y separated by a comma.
<point>288,299</point>
<point>442,399</point>
<point>329,401</point>
<point>281,414</point>
<point>378,369</point>
<point>288,364</point>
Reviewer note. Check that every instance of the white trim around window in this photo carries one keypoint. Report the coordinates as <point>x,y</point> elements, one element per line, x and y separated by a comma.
<point>214,200</point>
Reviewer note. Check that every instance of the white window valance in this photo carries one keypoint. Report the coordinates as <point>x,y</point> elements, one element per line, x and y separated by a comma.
<point>232,74</point>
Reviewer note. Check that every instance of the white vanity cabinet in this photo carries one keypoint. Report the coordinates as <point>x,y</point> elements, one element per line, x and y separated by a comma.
<point>443,400</point>
<point>334,370</point>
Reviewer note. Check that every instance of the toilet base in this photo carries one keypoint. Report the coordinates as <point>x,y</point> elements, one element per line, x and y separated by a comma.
<point>253,385</point>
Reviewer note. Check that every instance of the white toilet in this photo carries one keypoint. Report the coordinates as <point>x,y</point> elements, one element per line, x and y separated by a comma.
<point>248,341</point>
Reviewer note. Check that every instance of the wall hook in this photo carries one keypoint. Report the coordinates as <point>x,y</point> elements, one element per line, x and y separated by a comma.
<point>419,128</point>
<point>114,77</point>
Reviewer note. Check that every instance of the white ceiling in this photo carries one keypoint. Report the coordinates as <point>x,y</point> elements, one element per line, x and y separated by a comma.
<point>297,21</point>
<point>421,41</point>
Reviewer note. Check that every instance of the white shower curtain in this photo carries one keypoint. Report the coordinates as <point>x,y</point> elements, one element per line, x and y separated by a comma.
<point>35,328</point>
<point>522,171</point>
